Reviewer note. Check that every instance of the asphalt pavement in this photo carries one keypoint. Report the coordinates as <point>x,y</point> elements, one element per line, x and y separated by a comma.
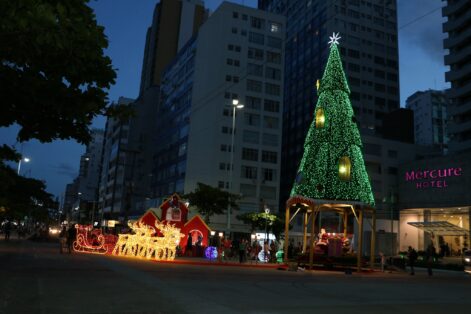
<point>36,278</point>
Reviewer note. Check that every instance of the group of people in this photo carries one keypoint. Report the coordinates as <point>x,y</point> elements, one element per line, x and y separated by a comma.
<point>430,254</point>
<point>67,237</point>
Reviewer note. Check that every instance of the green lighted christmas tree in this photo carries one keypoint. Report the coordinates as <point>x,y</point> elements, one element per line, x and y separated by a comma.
<point>332,167</point>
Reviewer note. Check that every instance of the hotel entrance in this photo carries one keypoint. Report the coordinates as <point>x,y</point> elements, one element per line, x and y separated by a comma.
<point>447,228</point>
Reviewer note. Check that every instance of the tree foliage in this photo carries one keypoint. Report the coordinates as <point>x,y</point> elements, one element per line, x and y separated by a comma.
<point>211,201</point>
<point>54,74</point>
<point>20,196</point>
<point>258,221</point>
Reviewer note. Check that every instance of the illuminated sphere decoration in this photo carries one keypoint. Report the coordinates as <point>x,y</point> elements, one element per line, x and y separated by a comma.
<point>211,252</point>
<point>345,167</point>
<point>320,118</point>
<point>263,256</point>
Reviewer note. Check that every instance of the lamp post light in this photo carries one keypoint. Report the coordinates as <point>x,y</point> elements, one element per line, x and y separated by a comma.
<point>235,105</point>
<point>267,211</point>
<point>25,159</point>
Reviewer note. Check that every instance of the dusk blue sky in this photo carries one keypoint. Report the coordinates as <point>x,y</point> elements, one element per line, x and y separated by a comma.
<point>126,22</point>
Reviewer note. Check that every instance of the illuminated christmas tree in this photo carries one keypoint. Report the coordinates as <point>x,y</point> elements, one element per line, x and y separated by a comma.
<point>332,167</point>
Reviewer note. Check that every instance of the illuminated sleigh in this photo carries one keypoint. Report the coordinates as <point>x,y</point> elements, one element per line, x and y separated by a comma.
<point>89,240</point>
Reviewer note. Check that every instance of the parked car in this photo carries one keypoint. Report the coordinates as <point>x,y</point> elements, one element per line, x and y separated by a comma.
<point>467,261</point>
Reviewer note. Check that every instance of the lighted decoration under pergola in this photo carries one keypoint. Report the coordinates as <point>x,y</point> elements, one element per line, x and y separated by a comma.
<point>332,175</point>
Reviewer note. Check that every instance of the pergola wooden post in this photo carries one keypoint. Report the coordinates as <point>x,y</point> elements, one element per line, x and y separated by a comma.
<point>285,257</point>
<point>345,222</point>
<point>360,239</point>
<point>373,238</point>
<point>305,223</point>
<point>311,240</point>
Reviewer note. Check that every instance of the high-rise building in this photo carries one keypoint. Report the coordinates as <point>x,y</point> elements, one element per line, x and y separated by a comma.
<point>174,22</point>
<point>430,118</point>
<point>458,43</point>
<point>81,196</point>
<point>368,45</point>
<point>201,136</point>
<point>117,167</point>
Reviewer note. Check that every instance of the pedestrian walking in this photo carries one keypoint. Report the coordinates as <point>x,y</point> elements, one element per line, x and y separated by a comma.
<point>71,237</point>
<point>382,260</point>
<point>431,252</point>
<point>62,239</point>
<point>242,249</point>
<point>189,246</point>
<point>412,255</point>
<point>7,230</point>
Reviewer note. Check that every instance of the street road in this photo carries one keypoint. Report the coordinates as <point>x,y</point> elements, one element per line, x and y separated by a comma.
<point>35,278</point>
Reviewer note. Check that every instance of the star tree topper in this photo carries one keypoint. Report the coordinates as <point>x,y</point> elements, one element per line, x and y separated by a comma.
<point>334,39</point>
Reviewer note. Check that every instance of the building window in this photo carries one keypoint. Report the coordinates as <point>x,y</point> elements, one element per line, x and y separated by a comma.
<point>273,57</point>
<point>268,174</point>
<point>256,22</point>
<point>270,139</point>
<point>272,89</point>
<point>243,32</point>
<point>252,119</point>
<point>254,86</point>
<point>222,166</point>
<point>392,170</point>
<point>249,172</point>
<point>256,38</point>
<point>244,17</point>
<point>223,148</point>
<point>274,42</point>
<point>256,54</point>
<point>392,154</point>
<point>229,61</point>
<point>236,63</point>
<point>271,105</point>
<point>237,48</point>
<point>248,190</point>
<point>235,15</point>
<point>230,47</point>
<point>252,137</point>
<point>270,122</point>
<point>250,154</point>
<point>221,184</point>
<point>268,192</point>
<point>253,102</point>
<point>234,30</point>
<point>270,157</point>
<point>228,78</point>
<point>255,69</point>
<point>272,73</point>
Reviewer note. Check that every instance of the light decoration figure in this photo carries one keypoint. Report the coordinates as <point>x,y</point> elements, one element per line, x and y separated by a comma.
<point>145,243</point>
<point>89,240</point>
<point>334,39</point>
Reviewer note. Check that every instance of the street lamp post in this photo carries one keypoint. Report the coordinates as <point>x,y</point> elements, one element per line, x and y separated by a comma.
<point>25,159</point>
<point>235,105</point>
<point>267,211</point>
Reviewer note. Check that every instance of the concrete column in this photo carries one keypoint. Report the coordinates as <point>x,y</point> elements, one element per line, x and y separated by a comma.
<point>311,240</point>
<point>373,238</point>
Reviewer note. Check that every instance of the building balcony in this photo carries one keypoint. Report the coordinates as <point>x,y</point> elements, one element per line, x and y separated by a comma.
<point>459,127</point>
<point>457,39</point>
<point>457,23</point>
<point>455,75</point>
<point>453,8</point>
<point>457,109</point>
<point>461,91</point>
<point>459,145</point>
<point>459,56</point>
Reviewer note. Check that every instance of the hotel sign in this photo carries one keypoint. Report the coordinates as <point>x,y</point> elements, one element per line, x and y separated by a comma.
<point>432,178</point>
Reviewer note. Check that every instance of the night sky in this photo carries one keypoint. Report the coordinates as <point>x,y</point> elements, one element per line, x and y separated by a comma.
<point>126,21</point>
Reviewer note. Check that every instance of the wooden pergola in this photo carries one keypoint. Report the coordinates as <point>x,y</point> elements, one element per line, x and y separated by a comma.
<point>310,208</point>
